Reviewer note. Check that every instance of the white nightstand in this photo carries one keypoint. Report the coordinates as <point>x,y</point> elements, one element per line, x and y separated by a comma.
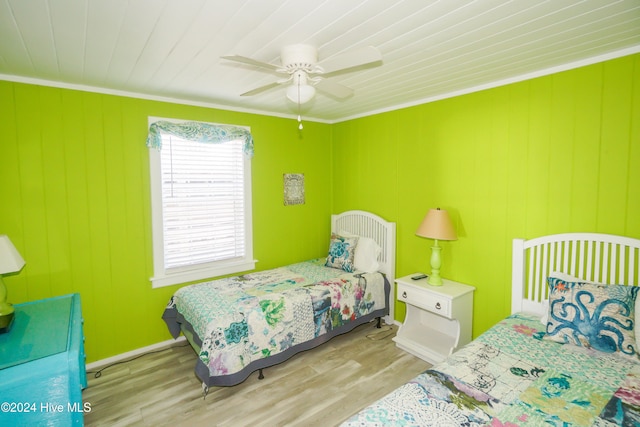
<point>438,318</point>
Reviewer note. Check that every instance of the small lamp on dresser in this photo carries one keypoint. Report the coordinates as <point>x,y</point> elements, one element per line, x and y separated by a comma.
<point>438,226</point>
<point>10,262</point>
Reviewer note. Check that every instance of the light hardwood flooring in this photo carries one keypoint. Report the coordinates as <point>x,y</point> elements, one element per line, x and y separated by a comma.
<point>319,387</point>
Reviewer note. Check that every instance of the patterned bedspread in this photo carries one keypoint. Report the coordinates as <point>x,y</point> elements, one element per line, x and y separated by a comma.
<point>245,318</point>
<point>510,377</point>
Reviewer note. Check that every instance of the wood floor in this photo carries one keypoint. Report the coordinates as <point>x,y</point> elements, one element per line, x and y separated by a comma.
<point>319,387</point>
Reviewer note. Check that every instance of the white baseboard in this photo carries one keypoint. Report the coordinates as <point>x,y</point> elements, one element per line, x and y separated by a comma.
<point>133,353</point>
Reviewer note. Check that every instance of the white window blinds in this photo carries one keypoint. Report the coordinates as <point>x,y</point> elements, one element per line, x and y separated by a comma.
<point>202,201</point>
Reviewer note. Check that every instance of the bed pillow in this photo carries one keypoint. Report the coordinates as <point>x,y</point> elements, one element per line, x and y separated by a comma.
<point>366,258</point>
<point>565,277</point>
<point>568,278</point>
<point>342,251</point>
<point>596,316</point>
<point>367,252</point>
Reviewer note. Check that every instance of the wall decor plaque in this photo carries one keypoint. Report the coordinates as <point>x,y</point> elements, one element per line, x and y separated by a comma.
<point>293,189</point>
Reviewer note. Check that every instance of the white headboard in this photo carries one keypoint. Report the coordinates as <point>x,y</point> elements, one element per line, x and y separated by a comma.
<point>366,224</point>
<point>603,258</point>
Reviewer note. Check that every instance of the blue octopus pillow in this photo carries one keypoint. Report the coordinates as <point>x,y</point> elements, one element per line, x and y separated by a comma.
<point>595,316</point>
<point>341,252</point>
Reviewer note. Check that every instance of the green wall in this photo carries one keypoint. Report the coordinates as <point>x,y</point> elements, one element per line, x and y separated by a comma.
<point>554,154</point>
<point>74,185</point>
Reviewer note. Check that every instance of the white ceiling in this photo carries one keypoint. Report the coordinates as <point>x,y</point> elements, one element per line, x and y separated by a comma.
<point>171,49</point>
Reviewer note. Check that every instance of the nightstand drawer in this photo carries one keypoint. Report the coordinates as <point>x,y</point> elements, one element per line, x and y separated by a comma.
<point>422,298</point>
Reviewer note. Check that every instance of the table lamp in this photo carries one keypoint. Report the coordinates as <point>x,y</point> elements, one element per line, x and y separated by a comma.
<point>438,226</point>
<point>10,262</point>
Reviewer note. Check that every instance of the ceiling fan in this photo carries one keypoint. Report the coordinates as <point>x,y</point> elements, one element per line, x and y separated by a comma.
<point>303,72</point>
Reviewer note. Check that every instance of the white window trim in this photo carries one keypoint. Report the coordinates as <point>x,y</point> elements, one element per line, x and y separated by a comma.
<point>163,277</point>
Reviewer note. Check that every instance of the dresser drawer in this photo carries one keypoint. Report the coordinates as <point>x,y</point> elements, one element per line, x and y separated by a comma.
<point>425,299</point>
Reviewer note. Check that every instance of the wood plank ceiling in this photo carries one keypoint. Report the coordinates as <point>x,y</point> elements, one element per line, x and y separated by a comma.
<point>168,49</point>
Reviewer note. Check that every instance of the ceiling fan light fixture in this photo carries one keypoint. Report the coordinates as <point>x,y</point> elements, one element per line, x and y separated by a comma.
<point>305,73</point>
<point>300,94</point>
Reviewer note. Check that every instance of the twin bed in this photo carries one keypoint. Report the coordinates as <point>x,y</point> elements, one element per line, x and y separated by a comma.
<point>242,324</point>
<point>568,354</point>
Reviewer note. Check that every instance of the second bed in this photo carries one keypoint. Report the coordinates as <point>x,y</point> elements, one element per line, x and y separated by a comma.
<point>242,324</point>
<point>567,356</point>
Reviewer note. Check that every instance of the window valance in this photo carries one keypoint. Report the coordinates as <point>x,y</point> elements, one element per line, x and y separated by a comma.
<point>201,132</point>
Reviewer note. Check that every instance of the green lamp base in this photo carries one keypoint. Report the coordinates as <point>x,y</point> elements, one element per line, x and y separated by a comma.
<point>6,321</point>
<point>436,262</point>
<point>435,280</point>
<point>6,309</point>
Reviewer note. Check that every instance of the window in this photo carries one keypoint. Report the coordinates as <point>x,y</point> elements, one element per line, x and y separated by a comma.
<point>201,207</point>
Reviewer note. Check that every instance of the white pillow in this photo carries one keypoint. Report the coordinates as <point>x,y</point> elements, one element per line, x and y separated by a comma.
<point>367,252</point>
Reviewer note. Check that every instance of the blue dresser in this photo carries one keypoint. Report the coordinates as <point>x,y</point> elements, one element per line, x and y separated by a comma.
<point>42,365</point>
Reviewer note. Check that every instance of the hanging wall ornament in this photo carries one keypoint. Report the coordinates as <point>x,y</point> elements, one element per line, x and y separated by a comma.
<point>293,189</point>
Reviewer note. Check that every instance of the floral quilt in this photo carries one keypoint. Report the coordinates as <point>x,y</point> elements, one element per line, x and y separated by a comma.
<point>509,376</point>
<point>245,318</point>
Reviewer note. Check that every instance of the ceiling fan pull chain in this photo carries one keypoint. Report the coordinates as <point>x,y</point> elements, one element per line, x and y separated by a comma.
<point>299,116</point>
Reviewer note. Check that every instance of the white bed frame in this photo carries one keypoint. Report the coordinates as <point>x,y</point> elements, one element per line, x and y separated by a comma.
<point>602,258</point>
<point>383,232</point>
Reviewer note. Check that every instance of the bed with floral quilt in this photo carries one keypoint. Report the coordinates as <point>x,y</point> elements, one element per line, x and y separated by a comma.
<point>567,356</point>
<point>242,324</point>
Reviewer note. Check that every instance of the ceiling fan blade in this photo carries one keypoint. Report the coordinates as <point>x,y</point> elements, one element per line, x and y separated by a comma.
<point>334,89</point>
<point>365,57</point>
<point>261,89</point>
<point>249,61</point>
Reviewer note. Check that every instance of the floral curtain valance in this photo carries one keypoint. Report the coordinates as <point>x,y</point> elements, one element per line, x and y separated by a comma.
<point>201,132</point>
